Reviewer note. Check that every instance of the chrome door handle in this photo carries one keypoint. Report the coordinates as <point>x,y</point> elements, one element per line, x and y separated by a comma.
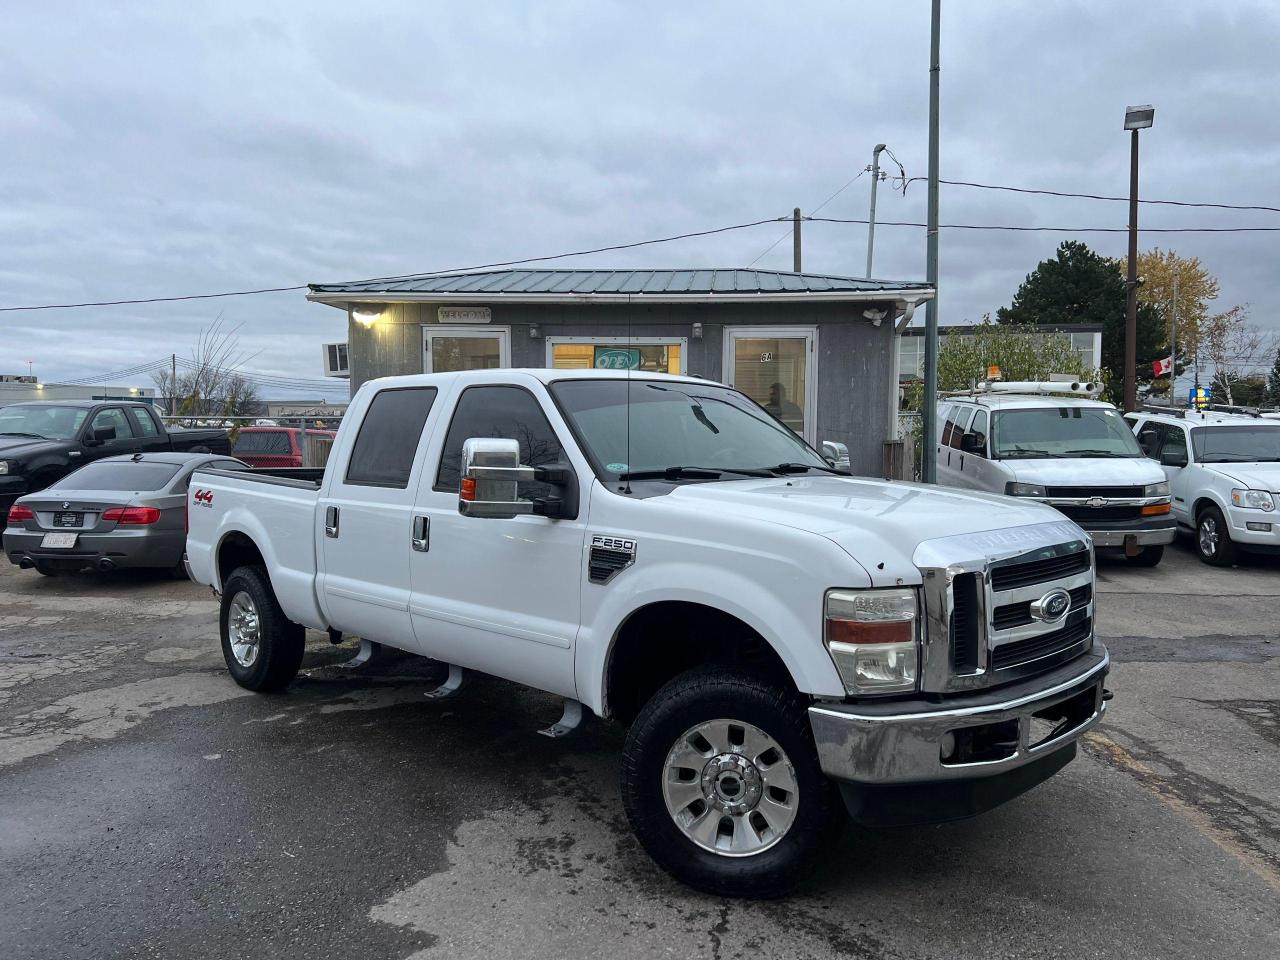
<point>331,522</point>
<point>421,538</point>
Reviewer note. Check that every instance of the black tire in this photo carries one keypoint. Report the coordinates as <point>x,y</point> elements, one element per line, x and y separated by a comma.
<point>280,642</point>
<point>1213,538</point>
<point>46,569</point>
<point>720,692</point>
<point>1149,557</point>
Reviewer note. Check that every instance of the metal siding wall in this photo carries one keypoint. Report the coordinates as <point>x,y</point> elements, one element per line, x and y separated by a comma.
<point>852,364</point>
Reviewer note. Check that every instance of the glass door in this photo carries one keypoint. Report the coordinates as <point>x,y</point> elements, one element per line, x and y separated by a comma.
<point>771,366</point>
<point>450,348</point>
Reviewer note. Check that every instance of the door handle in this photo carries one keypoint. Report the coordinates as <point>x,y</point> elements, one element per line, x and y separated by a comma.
<point>421,534</point>
<point>331,522</point>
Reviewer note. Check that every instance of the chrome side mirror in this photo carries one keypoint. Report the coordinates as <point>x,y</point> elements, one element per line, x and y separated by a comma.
<point>491,470</point>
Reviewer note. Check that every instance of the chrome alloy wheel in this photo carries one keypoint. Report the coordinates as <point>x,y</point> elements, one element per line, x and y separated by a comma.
<point>1208,535</point>
<point>730,788</point>
<point>243,629</point>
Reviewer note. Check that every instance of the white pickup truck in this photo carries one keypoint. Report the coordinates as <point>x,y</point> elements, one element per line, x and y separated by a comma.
<point>776,635</point>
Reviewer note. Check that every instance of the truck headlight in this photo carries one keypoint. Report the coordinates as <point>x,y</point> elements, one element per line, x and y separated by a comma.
<point>1160,489</point>
<point>1257,499</point>
<point>1015,489</point>
<point>4,467</point>
<point>871,636</point>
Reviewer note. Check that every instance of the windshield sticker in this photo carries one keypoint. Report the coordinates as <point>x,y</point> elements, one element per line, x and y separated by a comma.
<point>616,467</point>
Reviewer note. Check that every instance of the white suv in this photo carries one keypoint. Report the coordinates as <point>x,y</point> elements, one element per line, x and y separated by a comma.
<point>1224,474</point>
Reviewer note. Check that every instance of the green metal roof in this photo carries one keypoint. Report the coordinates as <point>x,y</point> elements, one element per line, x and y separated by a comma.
<point>588,283</point>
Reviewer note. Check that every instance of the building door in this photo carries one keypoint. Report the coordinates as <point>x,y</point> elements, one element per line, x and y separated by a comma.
<point>774,366</point>
<point>455,347</point>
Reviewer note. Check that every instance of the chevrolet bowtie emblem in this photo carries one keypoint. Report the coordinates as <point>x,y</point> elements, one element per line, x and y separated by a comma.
<point>1096,502</point>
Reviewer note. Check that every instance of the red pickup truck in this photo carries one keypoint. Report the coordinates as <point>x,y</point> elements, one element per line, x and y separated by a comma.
<point>277,446</point>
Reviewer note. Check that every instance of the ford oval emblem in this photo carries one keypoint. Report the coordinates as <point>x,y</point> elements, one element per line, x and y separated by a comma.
<point>1052,607</point>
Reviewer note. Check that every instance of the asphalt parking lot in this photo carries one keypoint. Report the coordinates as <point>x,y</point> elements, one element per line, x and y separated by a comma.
<point>150,807</point>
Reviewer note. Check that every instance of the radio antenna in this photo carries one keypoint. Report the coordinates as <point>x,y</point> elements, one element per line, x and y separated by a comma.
<point>628,480</point>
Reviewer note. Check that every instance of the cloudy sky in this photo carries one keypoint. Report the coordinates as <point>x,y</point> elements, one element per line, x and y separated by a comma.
<point>170,148</point>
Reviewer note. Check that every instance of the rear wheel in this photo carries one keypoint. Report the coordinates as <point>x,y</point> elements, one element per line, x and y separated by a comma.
<point>1149,557</point>
<point>1213,539</point>
<point>262,648</point>
<point>721,783</point>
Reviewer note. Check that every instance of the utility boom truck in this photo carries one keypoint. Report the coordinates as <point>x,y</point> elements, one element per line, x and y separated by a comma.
<point>779,638</point>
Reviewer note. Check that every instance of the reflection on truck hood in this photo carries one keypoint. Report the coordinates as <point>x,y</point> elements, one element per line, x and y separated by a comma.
<point>873,521</point>
<point>1257,476</point>
<point>17,446</point>
<point>1086,472</point>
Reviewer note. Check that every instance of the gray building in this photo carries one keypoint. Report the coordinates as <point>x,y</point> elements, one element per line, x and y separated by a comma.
<point>818,351</point>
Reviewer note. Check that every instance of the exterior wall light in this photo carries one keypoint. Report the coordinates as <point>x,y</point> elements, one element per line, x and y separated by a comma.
<point>534,332</point>
<point>696,330</point>
<point>365,316</point>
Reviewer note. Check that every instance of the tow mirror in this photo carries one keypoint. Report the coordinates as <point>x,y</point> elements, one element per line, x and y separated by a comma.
<point>100,436</point>
<point>1173,458</point>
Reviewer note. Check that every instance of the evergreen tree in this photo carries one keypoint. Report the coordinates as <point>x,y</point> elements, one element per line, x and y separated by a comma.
<point>1081,286</point>
<point>1273,383</point>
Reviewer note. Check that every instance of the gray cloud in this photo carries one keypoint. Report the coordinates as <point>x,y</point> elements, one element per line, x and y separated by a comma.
<point>183,150</point>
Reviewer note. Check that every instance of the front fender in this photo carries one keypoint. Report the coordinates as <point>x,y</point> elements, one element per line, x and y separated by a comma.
<point>789,619</point>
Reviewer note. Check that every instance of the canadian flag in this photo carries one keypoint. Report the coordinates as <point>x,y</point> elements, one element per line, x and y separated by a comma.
<point>1163,367</point>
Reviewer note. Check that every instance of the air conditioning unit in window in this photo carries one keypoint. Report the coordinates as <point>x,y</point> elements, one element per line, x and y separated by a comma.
<point>336,363</point>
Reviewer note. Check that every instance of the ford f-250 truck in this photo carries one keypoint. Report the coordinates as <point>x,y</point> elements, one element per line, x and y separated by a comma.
<point>776,635</point>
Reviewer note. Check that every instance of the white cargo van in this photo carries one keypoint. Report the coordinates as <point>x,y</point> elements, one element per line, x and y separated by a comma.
<point>1056,443</point>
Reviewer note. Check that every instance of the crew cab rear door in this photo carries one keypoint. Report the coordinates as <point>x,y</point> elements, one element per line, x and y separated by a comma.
<point>365,515</point>
<point>502,596</point>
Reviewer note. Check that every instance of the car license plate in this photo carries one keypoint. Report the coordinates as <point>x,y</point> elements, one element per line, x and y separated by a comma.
<point>68,519</point>
<point>59,541</point>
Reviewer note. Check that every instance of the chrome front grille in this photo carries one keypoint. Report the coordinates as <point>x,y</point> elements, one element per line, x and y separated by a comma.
<point>981,626</point>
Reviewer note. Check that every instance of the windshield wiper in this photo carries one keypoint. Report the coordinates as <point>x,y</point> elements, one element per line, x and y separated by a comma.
<point>806,467</point>
<point>691,473</point>
<point>16,433</point>
<point>1103,453</point>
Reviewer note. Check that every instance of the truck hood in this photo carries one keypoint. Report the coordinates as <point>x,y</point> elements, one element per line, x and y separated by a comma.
<point>18,446</point>
<point>1087,471</point>
<point>1258,476</point>
<point>876,522</point>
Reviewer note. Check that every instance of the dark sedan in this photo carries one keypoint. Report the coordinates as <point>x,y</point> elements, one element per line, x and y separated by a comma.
<point>128,511</point>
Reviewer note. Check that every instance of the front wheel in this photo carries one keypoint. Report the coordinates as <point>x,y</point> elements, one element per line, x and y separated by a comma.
<point>721,783</point>
<point>262,648</point>
<point>1213,539</point>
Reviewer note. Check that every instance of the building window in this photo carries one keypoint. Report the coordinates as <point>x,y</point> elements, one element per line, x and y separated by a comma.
<point>647,354</point>
<point>911,358</point>
<point>1083,345</point>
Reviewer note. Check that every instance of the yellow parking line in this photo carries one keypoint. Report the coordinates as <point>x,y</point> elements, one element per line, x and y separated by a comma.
<point>1169,796</point>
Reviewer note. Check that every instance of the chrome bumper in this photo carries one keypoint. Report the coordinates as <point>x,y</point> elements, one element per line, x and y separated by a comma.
<point>1143,538</point>
<point>899,743</point>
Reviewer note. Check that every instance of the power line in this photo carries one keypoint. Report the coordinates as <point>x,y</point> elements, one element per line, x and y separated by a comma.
<point>1097,196</point>
<point>1021,229</point>
<point>769,249</point>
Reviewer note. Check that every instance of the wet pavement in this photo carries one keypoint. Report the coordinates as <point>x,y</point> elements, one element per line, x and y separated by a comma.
<point>151,808</point>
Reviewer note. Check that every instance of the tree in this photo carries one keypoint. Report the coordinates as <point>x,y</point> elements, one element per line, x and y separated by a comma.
<point>1236,349</point>
<point>1081,286</point>
<point>210,383</point>
<point>1237,390</point>
<point>1273,383</point>
<point>1196,288</point>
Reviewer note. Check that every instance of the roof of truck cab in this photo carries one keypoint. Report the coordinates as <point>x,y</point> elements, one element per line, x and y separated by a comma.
<point>1211,419</point>
<point>1026,401</point>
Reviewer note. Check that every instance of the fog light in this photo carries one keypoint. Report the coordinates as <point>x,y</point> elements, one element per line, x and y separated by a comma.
<point>1258,527</point>
<point>947,745</point>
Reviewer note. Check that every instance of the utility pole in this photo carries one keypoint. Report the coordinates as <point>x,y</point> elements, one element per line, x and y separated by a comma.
<point>929,415</point>
<point>795,239</point>
<point>1173,340</point>
<point>173,383</point>
<point>1135,119</point>
<point>871,220</point>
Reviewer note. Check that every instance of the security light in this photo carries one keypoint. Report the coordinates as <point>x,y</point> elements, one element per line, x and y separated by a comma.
<point>1140,117</point>
<point>366,316</point>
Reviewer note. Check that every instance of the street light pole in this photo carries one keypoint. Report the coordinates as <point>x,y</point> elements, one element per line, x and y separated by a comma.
<point>929,414</point>
<point>1135,119</point>
<point>871,220</point>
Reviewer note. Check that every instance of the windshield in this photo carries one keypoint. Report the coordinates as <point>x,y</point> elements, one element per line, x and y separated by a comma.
<point>117,475</point>
<point>1251,444</point>
<point>262,441</point>
<point>51,423</point>
<point>1062,432</point>
<point>677,425</point>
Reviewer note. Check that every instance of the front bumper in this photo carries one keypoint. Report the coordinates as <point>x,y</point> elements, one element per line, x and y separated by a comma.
<point>1141,533</point>
<point>11,488</point>
<point>124,548</point>
<point>1267,540</point>
<point>992,732</point>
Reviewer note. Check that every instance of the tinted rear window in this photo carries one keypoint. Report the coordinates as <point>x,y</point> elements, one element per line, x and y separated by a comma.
<point>388,438</point>
<point>120,475</point>
<point>268,441</point>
